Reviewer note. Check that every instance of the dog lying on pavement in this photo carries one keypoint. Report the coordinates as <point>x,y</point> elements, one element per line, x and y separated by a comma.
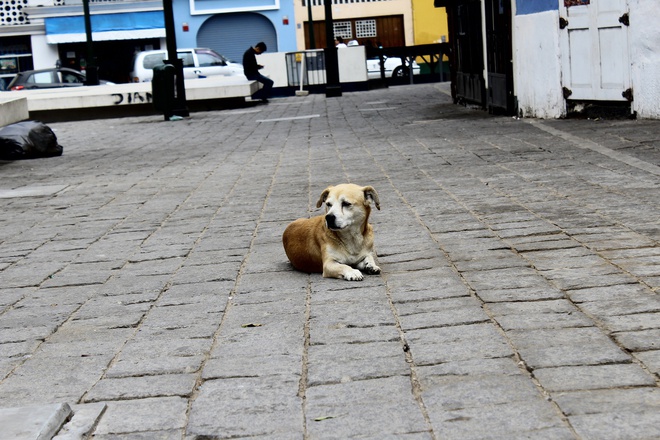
<point>340,243</point>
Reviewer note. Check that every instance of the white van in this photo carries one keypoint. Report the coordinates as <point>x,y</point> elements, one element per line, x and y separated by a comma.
<point>197,63</point>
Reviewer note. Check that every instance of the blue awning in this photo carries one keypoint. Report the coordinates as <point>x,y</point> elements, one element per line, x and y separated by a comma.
<point>124,26</point>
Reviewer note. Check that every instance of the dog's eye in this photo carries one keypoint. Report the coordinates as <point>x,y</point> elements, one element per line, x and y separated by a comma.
<point>328,204</point>
<point>345,204</point>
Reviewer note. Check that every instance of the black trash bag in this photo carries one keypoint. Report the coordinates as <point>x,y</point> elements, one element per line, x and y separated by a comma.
<point>28,140</point>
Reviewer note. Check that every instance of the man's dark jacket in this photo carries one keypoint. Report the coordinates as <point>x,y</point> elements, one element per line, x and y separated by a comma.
<point>250,66</point>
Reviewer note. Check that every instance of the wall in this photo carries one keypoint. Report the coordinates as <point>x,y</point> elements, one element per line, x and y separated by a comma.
<point>286,33</point>
<point>356,10</point>
<point>644,37</point>
<point>537,65</point>
<point>44,55</point>
<point>430,23</point>
<point>352,66</point>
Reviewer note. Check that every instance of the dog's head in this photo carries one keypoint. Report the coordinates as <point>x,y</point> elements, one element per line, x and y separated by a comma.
<point>347,205</point>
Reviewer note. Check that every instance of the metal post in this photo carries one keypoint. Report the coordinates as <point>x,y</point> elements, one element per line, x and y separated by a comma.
<point>180,105</point>
<point>91,69</point>
<point>332,86</point>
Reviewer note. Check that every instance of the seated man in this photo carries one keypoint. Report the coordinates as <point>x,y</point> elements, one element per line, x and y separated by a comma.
<point>251,71</point>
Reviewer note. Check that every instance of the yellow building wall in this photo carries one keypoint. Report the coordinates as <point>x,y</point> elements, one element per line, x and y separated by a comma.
<point>429,23</point>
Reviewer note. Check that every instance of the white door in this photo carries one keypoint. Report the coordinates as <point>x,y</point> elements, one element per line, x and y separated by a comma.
<point>594,46</point>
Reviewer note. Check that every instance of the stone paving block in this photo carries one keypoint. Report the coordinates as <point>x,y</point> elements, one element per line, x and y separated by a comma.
<point>470,367</point>
<point>647,303</point>
<point>535,419</point>
<point>539,293</point>
<point>608,293</point>
<point>617,425</point>
<point>9,297</point>
<point>513,278</point>
<point>340,363</point>
<point>143,415</point>
<point>635,322</point>
<point>651,359</point>
<point>154,364</point>
<point>234,365</point>
<point>33,422</point>
<point>133,284</point>
<point>592,377</point>
<point>142,387</point>
<point>545,245</point>
<point>19,334</point>
<point>367,314</point>
<point>469,314</point>
<point>608,401</point>
<point>247,407</point>
<point>450,393</point>
<point>26,317</point>
<point>47,379</point>
<point>378,408</point>
<point>432,284</point>
<point>493,260</point>
<point>448,344</point>
<point>341,333</point>
<point>643,340</point>
<point>565,347</point>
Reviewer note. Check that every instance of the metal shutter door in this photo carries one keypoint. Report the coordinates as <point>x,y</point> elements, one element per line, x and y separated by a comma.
<point>232,34</point>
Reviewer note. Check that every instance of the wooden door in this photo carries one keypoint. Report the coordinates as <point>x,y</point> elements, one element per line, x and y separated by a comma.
<point>594,46</point>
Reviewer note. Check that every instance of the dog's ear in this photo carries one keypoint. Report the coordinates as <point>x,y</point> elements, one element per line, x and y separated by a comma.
<point>324,195</point>
<point>371,194</point>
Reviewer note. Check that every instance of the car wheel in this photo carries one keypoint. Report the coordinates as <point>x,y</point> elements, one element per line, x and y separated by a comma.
<point>400,72</point>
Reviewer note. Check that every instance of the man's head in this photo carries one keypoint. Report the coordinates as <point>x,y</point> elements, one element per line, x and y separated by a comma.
<point>260,47</point>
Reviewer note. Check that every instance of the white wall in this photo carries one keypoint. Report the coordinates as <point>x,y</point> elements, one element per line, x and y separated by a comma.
<point>352,65</point>
<point>44,55</point>
<point>644,37</point>
<point>537,65</point>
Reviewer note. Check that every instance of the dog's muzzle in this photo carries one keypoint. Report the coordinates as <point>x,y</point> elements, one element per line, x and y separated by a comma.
<point>331,222</point>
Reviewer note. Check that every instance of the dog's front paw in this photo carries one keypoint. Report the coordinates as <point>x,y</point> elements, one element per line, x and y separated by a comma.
<point>353,275</point>
<point>372,269</point>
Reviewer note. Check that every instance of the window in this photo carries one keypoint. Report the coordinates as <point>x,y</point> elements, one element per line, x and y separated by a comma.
<point>152,60</point>
<point>187,58</point>
<point>206,59</point>
<point>41,78</point>
<point>342,29</point>
<point>365,28</point>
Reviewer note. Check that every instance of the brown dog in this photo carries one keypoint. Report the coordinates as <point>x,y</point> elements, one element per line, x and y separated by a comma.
<point>339,243</point>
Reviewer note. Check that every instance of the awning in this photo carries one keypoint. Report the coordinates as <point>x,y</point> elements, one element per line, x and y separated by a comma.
<point>125,26</point>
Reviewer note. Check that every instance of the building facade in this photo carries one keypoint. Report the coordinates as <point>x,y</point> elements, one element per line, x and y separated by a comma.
<point>40,33</point>
<point>388,23</point>
<point>546,58</point>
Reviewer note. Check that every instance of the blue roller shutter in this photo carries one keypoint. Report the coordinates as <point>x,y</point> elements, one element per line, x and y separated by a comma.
<point>232,34</point>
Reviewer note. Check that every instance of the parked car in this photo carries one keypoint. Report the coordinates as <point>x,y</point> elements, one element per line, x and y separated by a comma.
<point>197,63</point>
<point>393,68</point>
<point>49,79</point>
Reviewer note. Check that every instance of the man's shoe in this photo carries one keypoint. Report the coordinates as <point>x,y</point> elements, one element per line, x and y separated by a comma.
<point>264,101</point>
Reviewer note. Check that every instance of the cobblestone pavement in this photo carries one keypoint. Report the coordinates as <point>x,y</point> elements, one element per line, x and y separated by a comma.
<point>144,269</point>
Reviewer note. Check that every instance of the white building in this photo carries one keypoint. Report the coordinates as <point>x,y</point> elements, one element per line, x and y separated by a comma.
<point>545,58</point>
